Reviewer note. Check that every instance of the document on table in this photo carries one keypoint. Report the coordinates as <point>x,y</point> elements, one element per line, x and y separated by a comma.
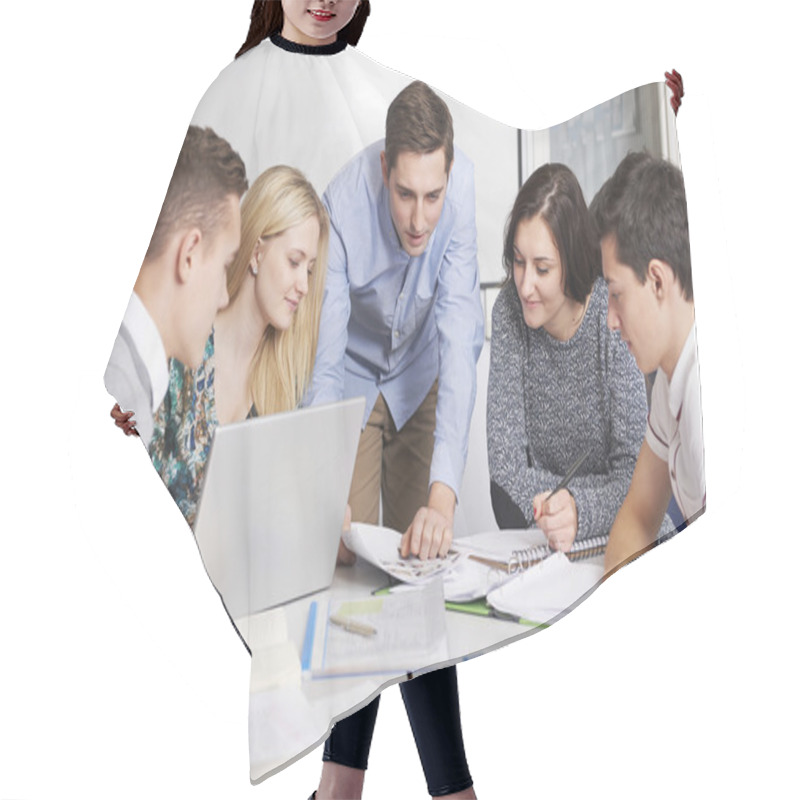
<point>275,661</point>
<point>469,579</point>
<point>464,578</point>
<point>546,590</point>
<point>381,547</point>
<point>503,544</point>
<point>409,633</point>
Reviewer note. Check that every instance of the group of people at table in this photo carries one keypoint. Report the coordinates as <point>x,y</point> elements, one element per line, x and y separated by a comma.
<point>252,301</point>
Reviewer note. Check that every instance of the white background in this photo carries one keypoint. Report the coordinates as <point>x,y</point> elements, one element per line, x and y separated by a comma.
<point>119,674</point>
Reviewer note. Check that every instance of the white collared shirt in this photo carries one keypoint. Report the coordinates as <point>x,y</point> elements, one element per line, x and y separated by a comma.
<point>137,375</point>
<point>675,429</point>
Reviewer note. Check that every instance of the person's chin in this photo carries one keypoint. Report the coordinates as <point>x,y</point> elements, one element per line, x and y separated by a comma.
<point>533,320</point>
<point>285,323</point>
<point>645,367</point>
<point>416,247</point>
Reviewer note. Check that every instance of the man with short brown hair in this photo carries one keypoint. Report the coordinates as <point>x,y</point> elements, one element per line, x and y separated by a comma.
<point>402,322</point>
<point>402,325</point>
<point>642,218</point>
<point>182,281</point>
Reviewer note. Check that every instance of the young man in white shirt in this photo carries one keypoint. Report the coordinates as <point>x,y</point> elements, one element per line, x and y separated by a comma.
<point>642,218</point>
<point>182,282</point>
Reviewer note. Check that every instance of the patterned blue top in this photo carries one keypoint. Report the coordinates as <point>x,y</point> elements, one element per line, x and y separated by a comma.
<point>184,427</point>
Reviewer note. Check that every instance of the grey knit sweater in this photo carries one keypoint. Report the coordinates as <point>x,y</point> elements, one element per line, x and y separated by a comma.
<point>553,401</point>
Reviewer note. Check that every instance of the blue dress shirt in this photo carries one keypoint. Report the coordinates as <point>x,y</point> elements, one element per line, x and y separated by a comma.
<point>392,323</point>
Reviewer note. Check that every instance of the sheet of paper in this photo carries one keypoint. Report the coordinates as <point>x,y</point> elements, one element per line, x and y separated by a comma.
<point>469,580</point>
<point>501,545</point>
<point>409,633</point>
<point>274,666</point>
<point>275,661</point>
<point>464,578</point>
<point>267,628</point>
<point>381,547</point>
<point>542,592</point>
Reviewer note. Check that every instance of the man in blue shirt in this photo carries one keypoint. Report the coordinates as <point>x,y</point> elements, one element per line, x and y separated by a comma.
<point>402,309</point>
<point>402,324</point>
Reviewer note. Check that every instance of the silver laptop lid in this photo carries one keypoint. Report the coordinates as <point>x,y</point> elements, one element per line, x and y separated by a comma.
<point>273,502</point>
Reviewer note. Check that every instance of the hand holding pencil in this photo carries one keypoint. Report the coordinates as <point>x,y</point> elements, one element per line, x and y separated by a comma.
<point>555,512</point>
<point>556,515</point>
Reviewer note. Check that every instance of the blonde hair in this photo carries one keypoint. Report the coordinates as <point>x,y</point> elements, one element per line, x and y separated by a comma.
<point>280,372</point>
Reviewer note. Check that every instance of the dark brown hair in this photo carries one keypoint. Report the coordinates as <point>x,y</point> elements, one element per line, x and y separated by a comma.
<point>643,204</point>
<point>554,192</point>
<point>418,121</point>
<point>207,172</point>
<point>266,19</point>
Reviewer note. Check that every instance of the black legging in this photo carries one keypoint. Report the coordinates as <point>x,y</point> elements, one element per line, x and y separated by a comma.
<point>432,706</point>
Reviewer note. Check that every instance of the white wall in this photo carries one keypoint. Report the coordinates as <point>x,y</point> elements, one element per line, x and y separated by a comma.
<point>474,511</point>
<point>492,147</point>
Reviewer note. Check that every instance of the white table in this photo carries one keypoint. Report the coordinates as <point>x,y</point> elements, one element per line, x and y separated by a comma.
<point>289,721</point>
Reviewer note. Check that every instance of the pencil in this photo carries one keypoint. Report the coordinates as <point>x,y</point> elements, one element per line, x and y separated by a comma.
<point>352,625</point>
<point>490,562</point>
<point>568,477</point>
<point>564,482</point>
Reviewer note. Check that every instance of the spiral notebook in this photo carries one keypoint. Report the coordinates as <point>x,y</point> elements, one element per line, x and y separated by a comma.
<point>515,550</point>
<point>490,560</point>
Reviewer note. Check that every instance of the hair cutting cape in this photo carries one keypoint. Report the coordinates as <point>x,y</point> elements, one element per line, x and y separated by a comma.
<point>315,110</point>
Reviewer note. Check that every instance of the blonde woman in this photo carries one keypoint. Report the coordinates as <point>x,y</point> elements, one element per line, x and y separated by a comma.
<point>259,357</point>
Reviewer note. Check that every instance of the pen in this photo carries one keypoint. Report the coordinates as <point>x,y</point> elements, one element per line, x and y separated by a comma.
<point>353,626</point>
<point>308,639</point>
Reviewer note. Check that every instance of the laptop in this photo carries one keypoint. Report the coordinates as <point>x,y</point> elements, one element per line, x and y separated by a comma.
<point>273,502</point>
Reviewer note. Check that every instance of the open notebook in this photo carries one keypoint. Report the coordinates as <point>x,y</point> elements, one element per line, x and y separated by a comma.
<point>514,570</point>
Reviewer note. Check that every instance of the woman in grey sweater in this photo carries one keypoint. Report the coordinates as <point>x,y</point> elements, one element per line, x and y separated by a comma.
<point>561,384</point>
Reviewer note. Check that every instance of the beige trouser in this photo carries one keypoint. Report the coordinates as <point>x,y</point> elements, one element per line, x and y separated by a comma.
<point>394,464</point>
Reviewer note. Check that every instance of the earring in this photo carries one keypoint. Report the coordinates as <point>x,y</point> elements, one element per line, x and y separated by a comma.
<point>254,268</point>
